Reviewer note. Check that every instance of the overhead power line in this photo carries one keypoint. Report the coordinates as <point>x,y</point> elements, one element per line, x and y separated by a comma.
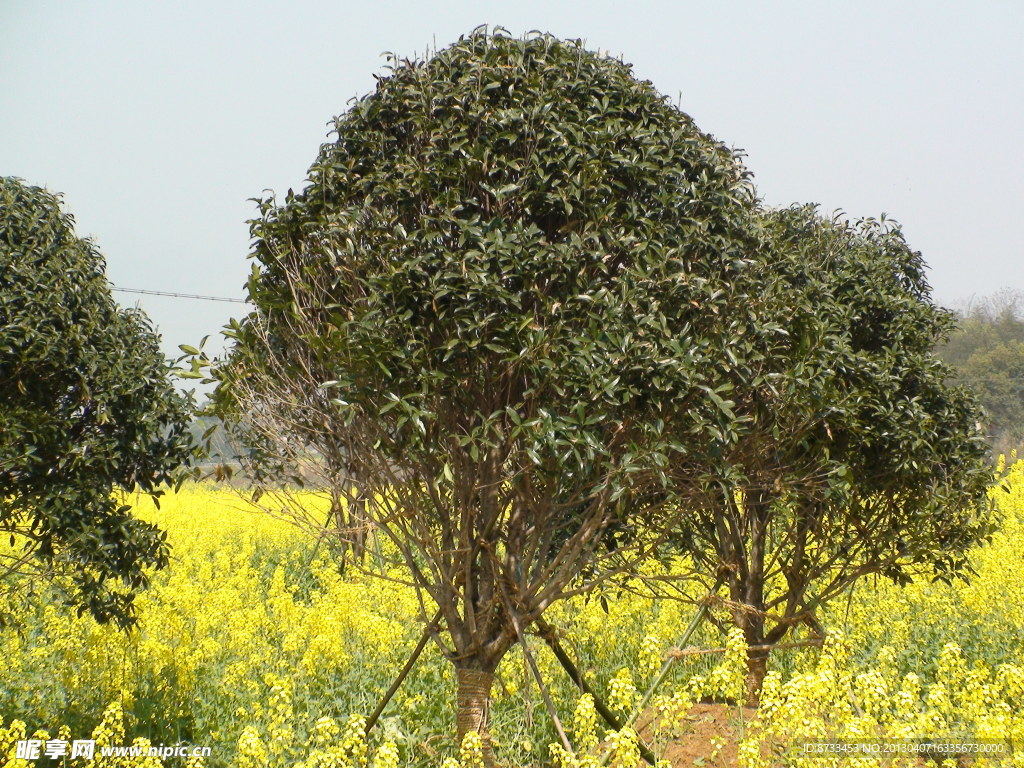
<point>178,295</point>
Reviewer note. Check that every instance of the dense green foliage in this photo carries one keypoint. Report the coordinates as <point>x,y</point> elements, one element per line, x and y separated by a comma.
<point>882,421</point>
<point>514,210</point>
<point>88,408</point>
<point>531,309</point>
<point>860,456</point>
<point>514,288</point>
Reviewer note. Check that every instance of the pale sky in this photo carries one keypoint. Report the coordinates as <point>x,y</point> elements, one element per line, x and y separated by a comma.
<point>158,120</point>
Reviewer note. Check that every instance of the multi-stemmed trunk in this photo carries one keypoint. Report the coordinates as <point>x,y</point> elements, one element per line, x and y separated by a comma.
<point>480,632</point>
<point>747,586</point>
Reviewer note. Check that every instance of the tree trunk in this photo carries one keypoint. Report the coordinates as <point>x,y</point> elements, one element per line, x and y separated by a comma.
<point>473,707</point>
<point>756,504</point>
<point>757,667</point>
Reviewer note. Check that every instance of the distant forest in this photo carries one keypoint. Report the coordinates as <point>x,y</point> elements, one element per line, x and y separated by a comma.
<point>987,351</point>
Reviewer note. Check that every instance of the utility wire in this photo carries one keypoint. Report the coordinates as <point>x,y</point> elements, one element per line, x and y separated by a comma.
<point>178,295</point>
<point>971,379</point>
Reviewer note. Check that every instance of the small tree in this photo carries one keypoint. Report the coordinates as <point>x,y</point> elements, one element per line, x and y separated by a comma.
<point>87,410</point>
<point>511,294</point>
<point>860,457</point>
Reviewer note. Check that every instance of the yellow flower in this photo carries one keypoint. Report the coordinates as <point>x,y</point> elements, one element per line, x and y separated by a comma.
<point>621,690</point>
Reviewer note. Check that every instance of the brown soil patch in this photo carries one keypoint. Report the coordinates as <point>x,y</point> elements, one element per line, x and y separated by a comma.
<point>707,737</point>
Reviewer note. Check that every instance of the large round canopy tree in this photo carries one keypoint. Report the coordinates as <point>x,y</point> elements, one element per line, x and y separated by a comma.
<point>507,300</point>
<point>87,411</point>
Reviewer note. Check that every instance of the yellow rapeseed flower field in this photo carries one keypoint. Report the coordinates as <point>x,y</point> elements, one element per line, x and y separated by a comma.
<point>255,644</point>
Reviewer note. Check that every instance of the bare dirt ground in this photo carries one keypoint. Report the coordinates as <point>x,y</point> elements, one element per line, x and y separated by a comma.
<point>710,734</point>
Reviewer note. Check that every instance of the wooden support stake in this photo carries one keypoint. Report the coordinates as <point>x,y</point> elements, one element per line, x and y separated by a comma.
<point>698,619</point>
<point>547,632</point>
<point>548,703</point>
<point>545,695</point>
<point>372,720</point>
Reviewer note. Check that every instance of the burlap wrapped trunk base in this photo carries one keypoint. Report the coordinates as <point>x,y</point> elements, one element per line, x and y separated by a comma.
<point>473,702</point>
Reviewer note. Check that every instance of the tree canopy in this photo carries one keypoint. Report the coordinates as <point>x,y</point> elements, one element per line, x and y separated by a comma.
<point>88,410</point>
<point>860,455</point>
<point>528,319</point>
<point>512,297</point>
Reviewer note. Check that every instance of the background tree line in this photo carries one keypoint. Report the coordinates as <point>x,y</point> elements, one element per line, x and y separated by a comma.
<point>987,352</point>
